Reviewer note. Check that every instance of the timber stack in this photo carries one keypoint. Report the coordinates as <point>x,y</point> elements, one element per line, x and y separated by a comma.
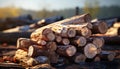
<point>69,40</point>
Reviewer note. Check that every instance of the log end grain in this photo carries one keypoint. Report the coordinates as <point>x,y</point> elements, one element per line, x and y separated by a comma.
<point>86,32</point>
<point>71,32</point>
<point>71,50</point>
<point>80,58</point>
<point>99,42</point>
<point>90,50</point>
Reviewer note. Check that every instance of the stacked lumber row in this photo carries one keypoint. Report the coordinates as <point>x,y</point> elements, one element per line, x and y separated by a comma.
<point>64,41</point>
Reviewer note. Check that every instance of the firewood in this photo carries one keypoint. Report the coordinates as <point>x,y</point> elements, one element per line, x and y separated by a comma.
<point>90,50</point>
<point>79,57</point>
<point>24,43</point>
<point>99,27</point>
<point>44,34</point>
<point>79,41</point>
<point>68,50</point>
<point>35,50</point>
<point>51,46</point>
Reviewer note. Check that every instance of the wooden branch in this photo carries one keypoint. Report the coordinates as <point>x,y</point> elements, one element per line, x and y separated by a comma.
<point>68,50</point>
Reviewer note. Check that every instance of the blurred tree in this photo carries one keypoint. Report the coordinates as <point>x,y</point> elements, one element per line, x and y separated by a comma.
<point>91,7</point>
<point>9,12</point>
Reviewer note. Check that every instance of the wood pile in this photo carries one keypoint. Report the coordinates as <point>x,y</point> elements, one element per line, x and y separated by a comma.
<point>66,41</point>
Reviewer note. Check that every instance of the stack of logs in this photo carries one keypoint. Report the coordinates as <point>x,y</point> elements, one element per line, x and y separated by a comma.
<point>66,41</point>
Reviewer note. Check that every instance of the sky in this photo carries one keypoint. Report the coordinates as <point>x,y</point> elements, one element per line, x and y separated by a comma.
<point>51,4</point>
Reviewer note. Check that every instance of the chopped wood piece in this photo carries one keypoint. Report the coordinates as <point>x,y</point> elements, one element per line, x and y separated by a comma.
<point>79,41</point>
<point>68,50</point>
<point>99,27</point>
<point>90,50</point>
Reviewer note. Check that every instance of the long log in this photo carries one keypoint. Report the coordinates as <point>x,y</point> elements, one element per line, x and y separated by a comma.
<point>115,40</point>
<point>35,50</point>
<point>24,43</point>
<point>68,50</point>
<point>44,34</point>
<point>90,50</point>
<point>107,56</point>
<point>60,26</point>
<point>99,27</point>
<point>13,36</point>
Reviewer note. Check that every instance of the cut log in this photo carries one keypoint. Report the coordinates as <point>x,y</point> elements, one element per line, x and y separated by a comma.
<point>99,42</point>
<point>58,27</point>
<point>24,43</point>
<point>99,27</point>
<point>78,57</point>
<point>79,41</point>
<point>58,39</point>
<point>107,56</point>
<point>90,50</point>
<point>115,40</point>
<point>35,50</point>
<point>68,50</point>
<point>44,34</point>
<point>52,46</point>
<point>65,41</point>
<point>84,32</point>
